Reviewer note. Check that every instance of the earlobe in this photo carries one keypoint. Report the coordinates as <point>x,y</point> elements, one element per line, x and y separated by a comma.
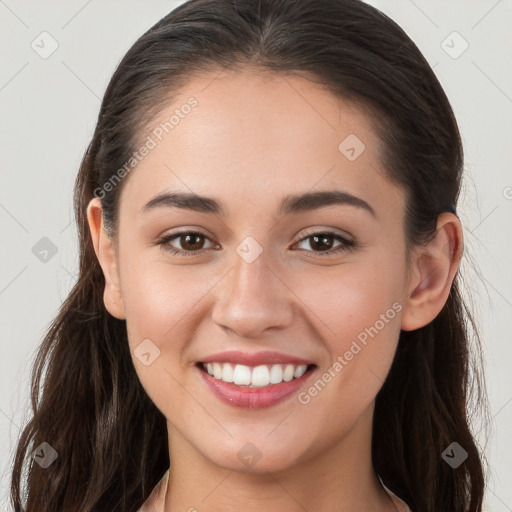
<point>435,267</point>
<point>105,252</point>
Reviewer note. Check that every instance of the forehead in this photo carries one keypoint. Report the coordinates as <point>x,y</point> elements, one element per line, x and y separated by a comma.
<point>254,135</point>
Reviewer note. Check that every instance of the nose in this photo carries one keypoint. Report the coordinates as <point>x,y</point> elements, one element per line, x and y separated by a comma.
<point>253,298</point>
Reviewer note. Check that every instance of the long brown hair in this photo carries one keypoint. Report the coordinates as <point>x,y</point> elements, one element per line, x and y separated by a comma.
<point>91,408</point>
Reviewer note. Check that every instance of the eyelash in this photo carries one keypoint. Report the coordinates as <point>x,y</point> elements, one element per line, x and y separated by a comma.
<point>347,245</point>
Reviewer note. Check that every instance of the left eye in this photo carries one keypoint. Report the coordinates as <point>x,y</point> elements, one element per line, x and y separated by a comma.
<point>325,241</point>
<point>192,243</point>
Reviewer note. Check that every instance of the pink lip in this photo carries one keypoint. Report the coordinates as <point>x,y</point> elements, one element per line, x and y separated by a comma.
<point>253,398</point>
<point>258,358</point>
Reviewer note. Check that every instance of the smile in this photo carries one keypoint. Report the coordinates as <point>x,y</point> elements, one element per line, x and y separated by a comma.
<point>254,380</point>
<point>255,376</point>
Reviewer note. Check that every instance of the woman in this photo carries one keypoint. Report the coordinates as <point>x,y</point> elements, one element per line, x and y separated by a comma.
<point>268,312</point>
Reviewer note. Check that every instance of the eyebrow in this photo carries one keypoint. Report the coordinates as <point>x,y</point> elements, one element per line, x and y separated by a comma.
<point>291,204</point>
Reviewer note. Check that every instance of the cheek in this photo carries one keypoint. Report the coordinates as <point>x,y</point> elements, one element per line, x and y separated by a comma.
<point>159,302</point>
<point>158,297</point>
<point>348,300</point>
<point>357,309</point>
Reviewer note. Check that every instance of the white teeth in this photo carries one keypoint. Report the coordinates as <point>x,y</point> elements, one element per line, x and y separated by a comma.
<point>242,375</point>
<point>227,373</point>
<point>255,377</point>
<point>276,374</point>
<point>217,370</point>
<point>288,372</point>
<point>260,376</point>
<point>300,371</point>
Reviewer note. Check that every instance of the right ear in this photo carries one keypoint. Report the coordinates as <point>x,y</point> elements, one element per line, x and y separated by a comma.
<point>105,252</point>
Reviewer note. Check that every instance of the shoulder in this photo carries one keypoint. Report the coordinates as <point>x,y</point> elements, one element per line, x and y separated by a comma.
<point>156,500</point>
<point>400,504</point>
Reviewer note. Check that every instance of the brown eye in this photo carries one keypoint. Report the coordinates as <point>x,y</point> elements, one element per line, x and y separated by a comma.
<point>190,243</point>
<point>322,243</point>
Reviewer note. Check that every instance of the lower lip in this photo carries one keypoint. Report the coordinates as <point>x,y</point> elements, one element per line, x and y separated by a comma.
<point>253,398</point>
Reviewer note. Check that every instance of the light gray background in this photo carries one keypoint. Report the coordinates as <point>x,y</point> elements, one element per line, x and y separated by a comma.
<point>48,112</point>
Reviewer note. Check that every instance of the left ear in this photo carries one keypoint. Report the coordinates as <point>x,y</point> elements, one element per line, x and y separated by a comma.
<point>433,269</point>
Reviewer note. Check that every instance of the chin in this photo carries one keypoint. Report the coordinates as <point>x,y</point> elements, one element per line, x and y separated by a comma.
<point>258,457</point>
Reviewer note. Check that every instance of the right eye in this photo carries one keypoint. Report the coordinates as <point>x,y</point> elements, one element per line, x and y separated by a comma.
<point>192,239</point>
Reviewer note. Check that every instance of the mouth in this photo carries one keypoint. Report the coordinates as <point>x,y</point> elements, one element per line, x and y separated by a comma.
<point>260,376</point>
<point>254,387</point>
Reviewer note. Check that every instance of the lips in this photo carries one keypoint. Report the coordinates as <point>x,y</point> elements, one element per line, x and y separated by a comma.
<point>259,358</point>
<point>255,380</point>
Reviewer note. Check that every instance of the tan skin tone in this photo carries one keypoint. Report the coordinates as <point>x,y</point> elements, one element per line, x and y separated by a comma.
<point>251,130</point>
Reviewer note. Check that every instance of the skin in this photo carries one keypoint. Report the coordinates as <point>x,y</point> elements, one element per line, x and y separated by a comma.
<point>252,129</point>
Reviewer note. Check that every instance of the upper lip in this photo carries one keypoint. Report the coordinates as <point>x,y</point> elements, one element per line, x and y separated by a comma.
<point>254,359</point>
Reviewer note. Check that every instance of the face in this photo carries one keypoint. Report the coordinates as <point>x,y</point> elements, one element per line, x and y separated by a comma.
<point>260,279</point>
